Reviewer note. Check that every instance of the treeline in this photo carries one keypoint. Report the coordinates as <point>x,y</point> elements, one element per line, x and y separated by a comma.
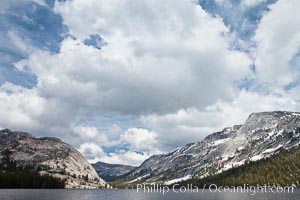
<point>280,169</point>
<point>12,176</point>
<point>29,179</point>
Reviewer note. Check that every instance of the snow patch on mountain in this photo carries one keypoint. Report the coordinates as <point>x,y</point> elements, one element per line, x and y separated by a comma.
<point>273,149</point>
<point>170,182</point>
<point>262,135</point>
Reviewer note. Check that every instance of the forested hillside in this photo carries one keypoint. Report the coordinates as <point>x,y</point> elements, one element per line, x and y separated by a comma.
<point>282,169</point>
<point>12,176</point>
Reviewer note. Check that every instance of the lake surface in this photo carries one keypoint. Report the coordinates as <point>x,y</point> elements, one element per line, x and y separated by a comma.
<point>28,194</point>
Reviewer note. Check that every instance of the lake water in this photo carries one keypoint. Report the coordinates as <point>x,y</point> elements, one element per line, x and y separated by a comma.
<point>27,194</point>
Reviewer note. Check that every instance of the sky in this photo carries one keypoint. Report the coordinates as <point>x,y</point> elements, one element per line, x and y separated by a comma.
<point>122,80</point>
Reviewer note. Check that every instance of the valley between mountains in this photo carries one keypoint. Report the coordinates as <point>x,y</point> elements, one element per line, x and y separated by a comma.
<point>263,149</point>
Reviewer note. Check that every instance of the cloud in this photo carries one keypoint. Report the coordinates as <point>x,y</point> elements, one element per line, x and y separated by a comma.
<point>21,108</point>
<point>18,42</point>
<point>167,63</point>
<point>91,133</point>
<point>241,17</point>
<point>24,27</point>
<point>169,66</point>
<point>132,147</point>
<point>191,125</point>
<point>140,140</point>
<point>125,158</point>
<point>7,4</point>
<point>251,3</point>
<point>24,109</point>
<point>91,150</point>
<point>278,42</point>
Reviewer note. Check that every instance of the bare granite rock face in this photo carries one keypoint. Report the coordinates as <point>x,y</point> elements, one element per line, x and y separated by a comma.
<point>262,135</point>
<point>50,156</point>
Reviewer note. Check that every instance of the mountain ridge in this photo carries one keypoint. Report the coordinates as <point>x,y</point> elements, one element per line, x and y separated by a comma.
<point>281,169</point>
<point>262,135</point>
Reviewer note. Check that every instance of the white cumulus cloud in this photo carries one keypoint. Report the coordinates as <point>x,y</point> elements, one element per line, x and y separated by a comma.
<point>278,43</point>
<point>170,65</point>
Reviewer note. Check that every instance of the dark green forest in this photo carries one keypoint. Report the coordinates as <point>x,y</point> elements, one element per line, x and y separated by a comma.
<point>12,176</point>
<point>281,169</point>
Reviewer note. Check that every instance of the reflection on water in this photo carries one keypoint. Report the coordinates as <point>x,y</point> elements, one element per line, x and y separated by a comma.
<point>133,195</point>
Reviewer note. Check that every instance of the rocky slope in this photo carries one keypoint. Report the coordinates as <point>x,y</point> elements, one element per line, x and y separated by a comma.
<point>262,135</point>
<point>50,156</point>
<point>111,172</point>
<point>279,169</point>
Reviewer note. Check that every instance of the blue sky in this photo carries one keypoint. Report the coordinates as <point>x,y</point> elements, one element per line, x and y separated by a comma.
<point>36,25</point>
<point>235,16</point>
<point>39,26</point>
<point>122,81</point>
